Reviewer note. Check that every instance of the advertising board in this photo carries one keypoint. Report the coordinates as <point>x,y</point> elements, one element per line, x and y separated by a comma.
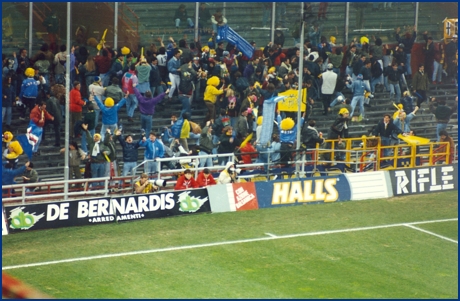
<point>424,179</point>
<point>303,191</point>
<point>106,210</point>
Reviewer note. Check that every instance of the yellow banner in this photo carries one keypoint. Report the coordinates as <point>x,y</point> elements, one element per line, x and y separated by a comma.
<point>450,28</point>
<point>7,25</point>
<point>289,104</point>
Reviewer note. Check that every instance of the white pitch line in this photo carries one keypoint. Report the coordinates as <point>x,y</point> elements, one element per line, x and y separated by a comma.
<point>432,233</point>
<point>222,243</point>
<point>271,235</point>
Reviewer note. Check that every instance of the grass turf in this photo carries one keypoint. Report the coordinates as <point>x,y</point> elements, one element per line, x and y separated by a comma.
<point>397,262</point>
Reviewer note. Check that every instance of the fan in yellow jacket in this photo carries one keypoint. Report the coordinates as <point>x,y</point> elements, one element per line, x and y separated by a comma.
<point>14,147</point>
<point>210,96</point>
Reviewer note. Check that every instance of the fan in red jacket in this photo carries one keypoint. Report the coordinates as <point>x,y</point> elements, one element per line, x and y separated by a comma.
<point>75,104</point>
<point>186,181</point>
<point>205,178</point>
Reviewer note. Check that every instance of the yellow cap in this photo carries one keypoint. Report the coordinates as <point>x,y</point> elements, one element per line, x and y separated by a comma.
<point>7,136</point>
<point>97,135</point>
<point>125,50</point>
<point>364,40</point>
<point>30,72</point>
<point>109,102</point>
<point>332,39</point>
<point>271,70</point>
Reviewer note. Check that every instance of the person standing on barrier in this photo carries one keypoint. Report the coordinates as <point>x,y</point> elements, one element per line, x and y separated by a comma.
<point>311,136</point>
<point>154,149</point>
<point>97,153</point>
<point>384,129</point>
<point>442,113</point>
<point>227,144</point>
<point>288,135</point>
<point>339,129</point>
<point>76,154</point>
<point>206,145</point>
<point>130,153</point>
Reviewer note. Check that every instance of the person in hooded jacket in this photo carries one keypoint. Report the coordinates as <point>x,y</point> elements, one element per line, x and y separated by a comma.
<point>210,97</point>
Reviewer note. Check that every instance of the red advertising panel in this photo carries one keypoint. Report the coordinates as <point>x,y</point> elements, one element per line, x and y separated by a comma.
<point>245,196</point>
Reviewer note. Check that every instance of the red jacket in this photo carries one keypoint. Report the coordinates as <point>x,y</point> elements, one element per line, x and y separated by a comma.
<point>203,181</point>
<point>183,184</point>
<point>103,63</point>
<point>75,102</point>
<point>36,116</point>
<point>248,148</point>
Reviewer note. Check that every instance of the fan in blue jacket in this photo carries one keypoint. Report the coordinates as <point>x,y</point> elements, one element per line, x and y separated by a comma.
<point>109,113</point>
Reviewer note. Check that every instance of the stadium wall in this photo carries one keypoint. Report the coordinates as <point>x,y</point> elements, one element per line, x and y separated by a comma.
<point>232,197</point>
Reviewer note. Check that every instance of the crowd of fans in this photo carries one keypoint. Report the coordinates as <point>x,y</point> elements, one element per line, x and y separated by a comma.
<point>216,76</point>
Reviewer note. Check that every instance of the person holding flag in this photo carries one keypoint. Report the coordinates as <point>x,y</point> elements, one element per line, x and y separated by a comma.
<point>38,115</point>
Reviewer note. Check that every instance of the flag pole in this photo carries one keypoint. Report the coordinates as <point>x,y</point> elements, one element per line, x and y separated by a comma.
<point>299,94</point>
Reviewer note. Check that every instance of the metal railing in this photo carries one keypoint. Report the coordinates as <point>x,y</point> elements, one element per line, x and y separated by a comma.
<point>302,162</point>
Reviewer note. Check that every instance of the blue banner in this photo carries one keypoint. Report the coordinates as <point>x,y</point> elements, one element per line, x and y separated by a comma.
<point>303,191</point>
<point>225,33</point>
<point>26,147</point>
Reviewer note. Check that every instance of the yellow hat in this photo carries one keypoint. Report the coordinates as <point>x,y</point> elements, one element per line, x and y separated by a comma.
<point>364,40</point>
<point>213,81</point>
<point>125,50</point>
<point>205,48</point>
<point>7,136</point>
<point>271,70</point>
<point>366,94</point>
<point>30,72</point>
<point>109,102</point>
<point>15,150</point>
<point>332,39</point>
<point>287,124</point>
<point>97,135</point>
<point>406,93</point>
<point>343,111</point>
<point>259,120</point>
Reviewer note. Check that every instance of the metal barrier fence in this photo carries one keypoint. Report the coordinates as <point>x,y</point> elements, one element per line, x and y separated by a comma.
<point>366,156</point>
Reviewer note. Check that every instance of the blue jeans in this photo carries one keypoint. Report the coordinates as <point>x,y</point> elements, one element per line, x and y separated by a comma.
<point>143,87</point>
<point>374,82</point>
<point>437,72</point>
<point>84,146</point>
<point>131,104</point>
<point>263,155</point>
<point>151,167</point>
<point>195,136</point>
<point>105,77</point>
<point>7,112</point>
<point>186,104</point>
<point>98,112</point>
<point>440,127</point>
<point>35,148</point>
<point>98,171</point>
<point>207,161</point>
<point>189,21</point>
<point>354,102</point>
<point>104,127</point>
<point>407,65</point>
<point>157,90</point>
<point>335,101</point>
<point>395,88</point>
<point>128,168</point>
<point>349,71</point>
<point>385,141</point>
<point>146,123</point>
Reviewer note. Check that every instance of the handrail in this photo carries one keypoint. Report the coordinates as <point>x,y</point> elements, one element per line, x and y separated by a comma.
<point>427,154</point>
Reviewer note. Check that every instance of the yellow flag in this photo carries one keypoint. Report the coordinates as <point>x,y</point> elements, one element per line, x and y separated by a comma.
<point>289,104</point>
<point>7,25</point>
<point>450,28</point>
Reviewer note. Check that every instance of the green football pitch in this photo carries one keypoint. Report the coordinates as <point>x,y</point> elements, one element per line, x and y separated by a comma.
<point>404,247</point>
